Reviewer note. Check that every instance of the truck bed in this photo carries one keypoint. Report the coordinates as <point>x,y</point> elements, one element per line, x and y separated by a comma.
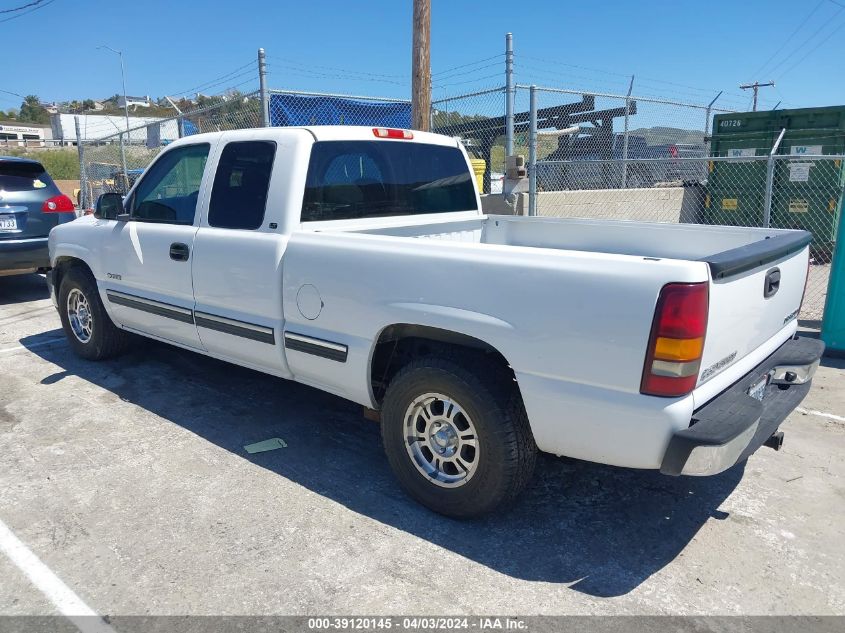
<point>568,302</point>
<point>721,246</point>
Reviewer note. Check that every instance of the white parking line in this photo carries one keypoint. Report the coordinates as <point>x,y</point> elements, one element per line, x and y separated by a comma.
<point>34,345</point>
<point>66,602</point>
<point>821,414</point>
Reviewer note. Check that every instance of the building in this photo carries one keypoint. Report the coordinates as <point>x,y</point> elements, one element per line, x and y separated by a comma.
<point>95,127</point>
<point>134,102</point>
<point>16,134</point>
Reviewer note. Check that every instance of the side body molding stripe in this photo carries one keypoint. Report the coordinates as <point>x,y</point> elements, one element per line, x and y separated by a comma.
<point>236,328</point>
<point>148,305</point>
<point>201,319</point>
<point>316,347</point>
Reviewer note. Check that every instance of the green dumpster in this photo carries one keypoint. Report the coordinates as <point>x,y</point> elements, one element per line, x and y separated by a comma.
<point>733,206</point>
<point>807,194</point>
<point>811,209</point>
<point>736,187</point>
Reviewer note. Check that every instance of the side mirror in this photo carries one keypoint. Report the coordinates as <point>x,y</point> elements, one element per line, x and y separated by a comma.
<point>110,207</point>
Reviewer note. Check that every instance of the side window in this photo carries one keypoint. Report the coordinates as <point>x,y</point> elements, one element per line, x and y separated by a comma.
<point>239,194</point>
<point>168,192</point>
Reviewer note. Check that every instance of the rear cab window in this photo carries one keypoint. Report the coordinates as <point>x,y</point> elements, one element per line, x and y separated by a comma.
<point>367,179</point>
<point>241,184</point>
<point>24,176</point>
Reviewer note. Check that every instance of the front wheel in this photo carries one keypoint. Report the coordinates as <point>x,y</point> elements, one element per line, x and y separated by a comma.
<point>89,330</point>
<point>457,439</point>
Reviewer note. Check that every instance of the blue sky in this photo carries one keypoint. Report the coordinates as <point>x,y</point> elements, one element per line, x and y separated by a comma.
<point>682,49</point>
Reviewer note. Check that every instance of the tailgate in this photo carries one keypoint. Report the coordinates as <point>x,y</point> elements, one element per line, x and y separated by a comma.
<point>755,292</point>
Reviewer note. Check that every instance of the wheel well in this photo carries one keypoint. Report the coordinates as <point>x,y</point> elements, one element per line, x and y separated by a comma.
<point>63,265</point>
<point>399,344</point>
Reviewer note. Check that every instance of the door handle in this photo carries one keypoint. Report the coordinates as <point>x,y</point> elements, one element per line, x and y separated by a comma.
<point>772,283</point>
<point>179,252</point>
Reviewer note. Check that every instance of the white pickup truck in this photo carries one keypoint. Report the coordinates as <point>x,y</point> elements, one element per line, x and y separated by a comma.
<point>358,261</point>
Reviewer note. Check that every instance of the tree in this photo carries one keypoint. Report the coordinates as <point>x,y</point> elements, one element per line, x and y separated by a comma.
<point>32,112</point>
<point>88,104</point>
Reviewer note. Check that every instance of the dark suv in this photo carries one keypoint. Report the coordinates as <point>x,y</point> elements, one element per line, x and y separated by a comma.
<point>30,205</point>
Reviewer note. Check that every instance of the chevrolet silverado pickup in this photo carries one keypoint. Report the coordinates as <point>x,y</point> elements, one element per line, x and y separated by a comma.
<point>358,261</point>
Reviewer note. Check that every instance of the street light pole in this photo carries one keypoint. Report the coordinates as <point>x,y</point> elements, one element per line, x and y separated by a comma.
<point>125,108</point>
<point>122,80</point>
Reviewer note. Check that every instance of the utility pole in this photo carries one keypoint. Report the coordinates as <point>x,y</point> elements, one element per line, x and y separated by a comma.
<point>421,66</point>
<point>510,95</point>
<point>756,86</point>
<point>262,86</point>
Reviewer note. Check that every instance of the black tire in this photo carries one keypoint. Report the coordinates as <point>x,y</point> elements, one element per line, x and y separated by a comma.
<point>106,339</point>
<point>506,450</point>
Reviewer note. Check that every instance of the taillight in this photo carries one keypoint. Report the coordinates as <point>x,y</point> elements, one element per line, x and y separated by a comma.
<point>58,204</point>
<point>677,340</point>
<point>386,132</point>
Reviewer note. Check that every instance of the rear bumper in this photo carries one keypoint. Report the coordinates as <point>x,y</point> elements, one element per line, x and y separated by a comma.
<point>733,425</point>
<point>23,255</point>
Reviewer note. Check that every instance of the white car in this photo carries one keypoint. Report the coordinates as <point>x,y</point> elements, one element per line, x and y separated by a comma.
<point>357,260</point>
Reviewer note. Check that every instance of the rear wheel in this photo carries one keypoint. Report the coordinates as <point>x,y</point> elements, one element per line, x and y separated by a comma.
<point>89,330</point>
<point>457,438</point>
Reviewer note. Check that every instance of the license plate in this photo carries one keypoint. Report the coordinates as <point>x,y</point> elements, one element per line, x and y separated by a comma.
<point>8,223</point>
<point>758,389</point>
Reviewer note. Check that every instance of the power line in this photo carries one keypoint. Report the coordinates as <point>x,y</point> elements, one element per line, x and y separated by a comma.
<point>22,7</point>
<point>205,84</point>
<point>34,6</point>
<point>824,25</point>
<point>334,68</point>
<point>469,81</point>
<point>710,91</point>
<point>816,47</point>
<point>789,39</point>
<point>596,70</point>
<point>347,74</point>
<point>466,72</point>
<point>250,71</point>
<point>479,61</point>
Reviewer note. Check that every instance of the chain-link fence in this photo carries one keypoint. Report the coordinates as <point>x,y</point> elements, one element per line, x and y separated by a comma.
<point>601,160</point>
<point>606,141</point>
<point>588,154</point>
<point>478,119</point>
<point>112,162</point>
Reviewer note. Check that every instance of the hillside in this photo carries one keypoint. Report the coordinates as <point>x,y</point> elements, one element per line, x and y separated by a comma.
<point>665,135</point>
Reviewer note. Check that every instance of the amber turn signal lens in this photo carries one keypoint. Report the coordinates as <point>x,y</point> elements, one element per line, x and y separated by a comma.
<point>678,349</point>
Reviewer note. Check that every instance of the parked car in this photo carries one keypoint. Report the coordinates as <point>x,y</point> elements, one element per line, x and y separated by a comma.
<point>591,163</point>
<point>358,261</point>
<point>30,205</point>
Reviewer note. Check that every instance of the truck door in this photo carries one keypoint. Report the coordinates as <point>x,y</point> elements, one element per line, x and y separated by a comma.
<point>147,259</point>
<point>238,258</point>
